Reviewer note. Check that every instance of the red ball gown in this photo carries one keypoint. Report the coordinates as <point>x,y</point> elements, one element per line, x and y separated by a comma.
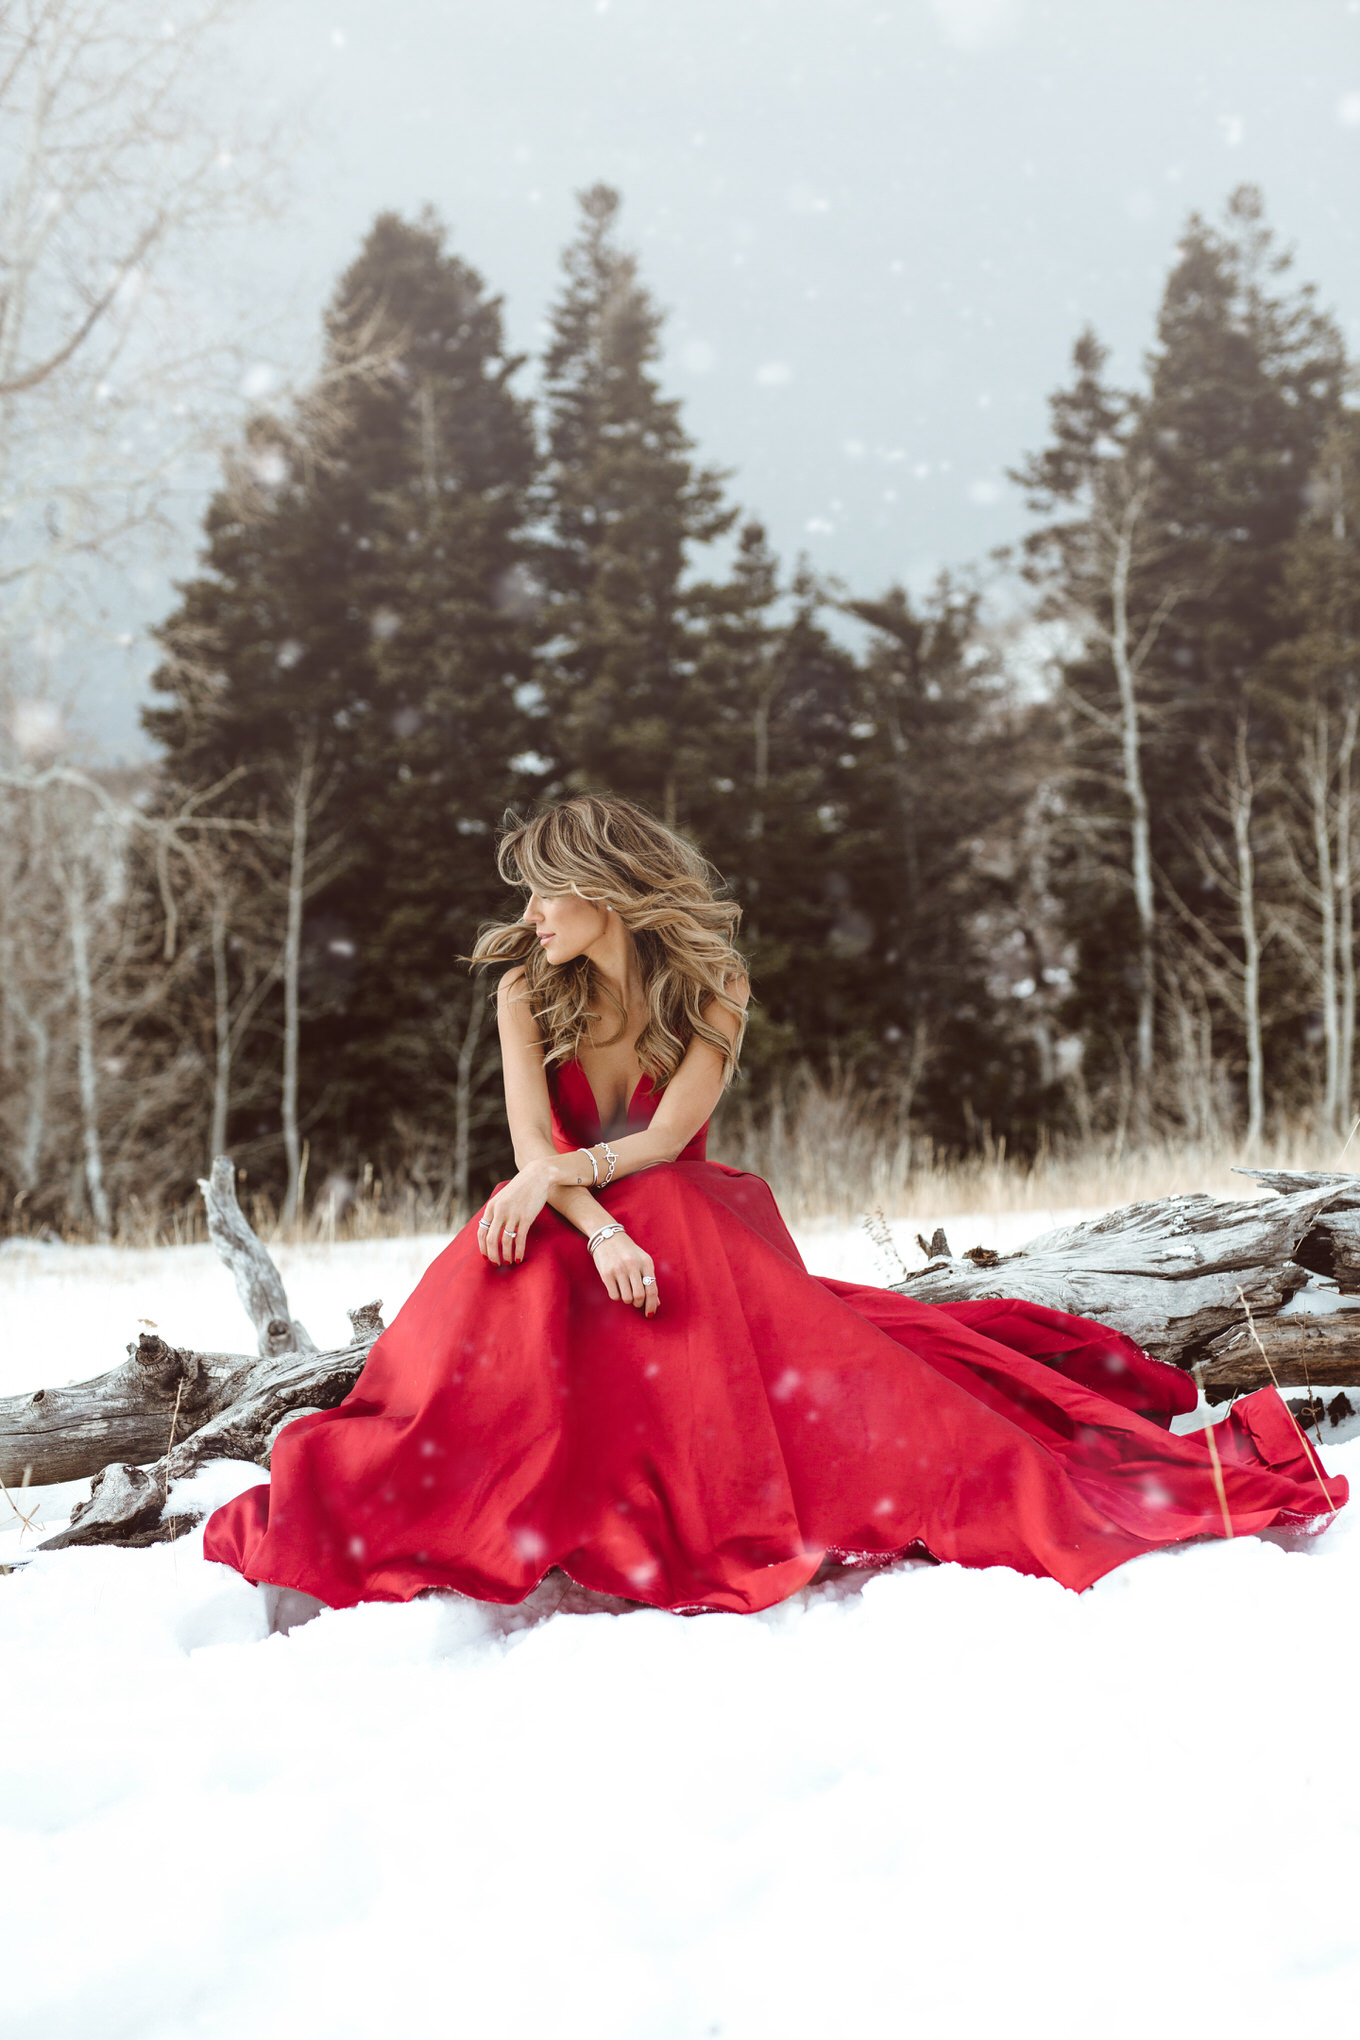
<point>764,1421</point>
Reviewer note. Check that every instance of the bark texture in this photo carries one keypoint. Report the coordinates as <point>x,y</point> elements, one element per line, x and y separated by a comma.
<point>1166,1273</point>
<point>135,1505</point>
<point>1298,1351</point>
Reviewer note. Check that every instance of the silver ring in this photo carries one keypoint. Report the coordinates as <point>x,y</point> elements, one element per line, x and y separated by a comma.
<point>484,1225</point>
<point>509,1232</point>
<point>648,1281</point>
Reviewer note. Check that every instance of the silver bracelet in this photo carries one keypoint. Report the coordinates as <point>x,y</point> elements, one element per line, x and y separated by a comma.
<point>606,1232</point>
<point>612,1160</point>
<point>594,1167</point>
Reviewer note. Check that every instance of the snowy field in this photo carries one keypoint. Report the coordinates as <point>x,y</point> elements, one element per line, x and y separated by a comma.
<point>928,1802</point>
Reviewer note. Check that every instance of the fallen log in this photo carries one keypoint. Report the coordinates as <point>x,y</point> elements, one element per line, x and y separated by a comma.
<point>1168,1274</point>
<point>1303,1350</point>
<point>167,1410</point>
<point>1332,1246</point>
<point>134,1412</point>
<point>128,1504</point>
<point>161,1393</point>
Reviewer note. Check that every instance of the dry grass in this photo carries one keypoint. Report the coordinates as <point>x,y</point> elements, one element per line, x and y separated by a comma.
<point>834,1152</point>
<point>828,1152</point>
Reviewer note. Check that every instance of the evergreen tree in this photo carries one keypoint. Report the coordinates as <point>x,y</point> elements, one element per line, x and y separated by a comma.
<point>933,769</point>
<point>624,504</point>
<point>1170,516</point>
<point>362,601</point>
<point>1245,383</point>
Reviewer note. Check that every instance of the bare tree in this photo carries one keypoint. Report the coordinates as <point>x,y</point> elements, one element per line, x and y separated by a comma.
<point>1321,861</point>
<point>310,867</point>
<point>69,838</point>
<point>1227,856</point>
<point>462,1110</point>
<point>1118,552</point>
<point>1102,564</point>
<point>119,157</point>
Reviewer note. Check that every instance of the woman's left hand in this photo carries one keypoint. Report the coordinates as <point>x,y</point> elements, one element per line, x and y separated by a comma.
<point>503,1228</point>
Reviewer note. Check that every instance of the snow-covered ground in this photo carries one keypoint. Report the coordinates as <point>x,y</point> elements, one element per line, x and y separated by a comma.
<point>931,1801</point>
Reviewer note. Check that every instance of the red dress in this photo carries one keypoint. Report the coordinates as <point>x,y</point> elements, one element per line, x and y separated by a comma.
<point>511,1420</point>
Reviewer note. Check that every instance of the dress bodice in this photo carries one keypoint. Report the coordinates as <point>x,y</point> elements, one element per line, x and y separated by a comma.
<point>576,1117</point>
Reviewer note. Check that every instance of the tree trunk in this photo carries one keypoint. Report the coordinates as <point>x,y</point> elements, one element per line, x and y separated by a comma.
<point>1242,796</point>
<point>78,930</point>
<point>28,1159</point>
<point>1345,931</point>
<point>1318,770</point>
<point>1140,834</point>
<point>221,1096</point>
<point>292,967</point>
<point>462,1116</point>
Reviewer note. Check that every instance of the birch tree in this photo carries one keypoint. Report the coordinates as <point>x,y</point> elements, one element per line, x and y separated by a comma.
<point>1317,675</point>
<point>1226,850</point>
<point>1099,564</point>
<point>310,866</point>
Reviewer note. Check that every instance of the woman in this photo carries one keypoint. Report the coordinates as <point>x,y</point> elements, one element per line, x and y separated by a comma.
<point>621,1368</point>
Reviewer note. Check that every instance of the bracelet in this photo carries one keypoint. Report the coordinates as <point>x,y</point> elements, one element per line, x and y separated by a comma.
<point>612,1160</point>
<point>606,1232</point>
<point>594,1167</point>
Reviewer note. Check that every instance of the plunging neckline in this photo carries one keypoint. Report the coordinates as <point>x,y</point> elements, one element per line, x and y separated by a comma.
<point>629,1102</point>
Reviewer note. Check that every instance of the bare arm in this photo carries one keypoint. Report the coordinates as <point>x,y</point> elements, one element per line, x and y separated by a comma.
<point>687,1103</point>
<point>547,1177</point>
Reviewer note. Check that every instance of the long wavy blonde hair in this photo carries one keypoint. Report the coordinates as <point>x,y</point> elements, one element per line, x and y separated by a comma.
<point>616,855</point>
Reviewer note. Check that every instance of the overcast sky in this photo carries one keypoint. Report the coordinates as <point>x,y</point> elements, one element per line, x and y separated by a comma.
<point>876,226</point>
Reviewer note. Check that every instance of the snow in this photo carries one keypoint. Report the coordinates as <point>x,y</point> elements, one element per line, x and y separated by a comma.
<point>927,1801</point>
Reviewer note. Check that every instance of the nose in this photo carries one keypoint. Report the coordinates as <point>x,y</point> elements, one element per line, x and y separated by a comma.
<point>533,911</point>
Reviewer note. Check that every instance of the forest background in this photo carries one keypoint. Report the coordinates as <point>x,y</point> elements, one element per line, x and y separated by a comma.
<point>1082,881</point>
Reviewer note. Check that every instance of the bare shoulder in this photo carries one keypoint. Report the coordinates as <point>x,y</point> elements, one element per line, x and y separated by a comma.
<point>718,1012</point>
<point>514,1011</point>
<point>513,988</point>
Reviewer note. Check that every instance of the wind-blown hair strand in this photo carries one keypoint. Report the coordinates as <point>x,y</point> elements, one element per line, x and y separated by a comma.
<point>616,855</point>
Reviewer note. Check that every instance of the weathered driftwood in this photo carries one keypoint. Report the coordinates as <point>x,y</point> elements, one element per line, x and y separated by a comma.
<point>1301,1350</point>
<point>127,1503</point>
<point>1166,1273</point>
<point>160,1393</point>
<point>1332,1247</point>
<point>129,1413</point>
<point>1344,1186</point>
<point>258,1282</point>
<point>168,1410</point>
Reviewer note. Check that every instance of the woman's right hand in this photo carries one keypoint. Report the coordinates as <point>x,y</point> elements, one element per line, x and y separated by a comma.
<point>627,1272</point>
<point>503,1228</point>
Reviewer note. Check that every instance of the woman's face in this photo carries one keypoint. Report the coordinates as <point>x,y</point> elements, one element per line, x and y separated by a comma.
<point>566,925</point>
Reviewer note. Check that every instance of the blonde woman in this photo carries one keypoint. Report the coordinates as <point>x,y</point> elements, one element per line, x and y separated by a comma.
<point>621,1368</point>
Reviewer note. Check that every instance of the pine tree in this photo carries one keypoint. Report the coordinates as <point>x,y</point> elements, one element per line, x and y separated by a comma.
<point>933,768</point>
<point>624,505</point>
<point>361,604</point>
<point>1175,510</point>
